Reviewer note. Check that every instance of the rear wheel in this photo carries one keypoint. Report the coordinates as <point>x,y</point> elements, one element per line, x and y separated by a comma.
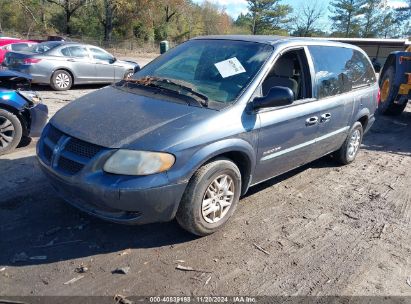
<point>10,131</point>
<point>349,150</point>
<point>211,197</point>
<point>388,95</point>
<point>61,80</point>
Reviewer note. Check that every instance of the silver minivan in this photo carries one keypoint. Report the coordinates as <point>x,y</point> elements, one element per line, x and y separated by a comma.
<point>193,130</point>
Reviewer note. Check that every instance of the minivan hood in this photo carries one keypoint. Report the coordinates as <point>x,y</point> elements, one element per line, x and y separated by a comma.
<point>114,118</point>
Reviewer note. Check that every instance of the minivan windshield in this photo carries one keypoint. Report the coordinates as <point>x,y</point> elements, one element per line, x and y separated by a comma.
<point>217,69</point>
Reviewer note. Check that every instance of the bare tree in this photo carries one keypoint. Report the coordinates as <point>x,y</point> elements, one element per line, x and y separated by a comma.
<point>30,12</point>
<point>306,18</point>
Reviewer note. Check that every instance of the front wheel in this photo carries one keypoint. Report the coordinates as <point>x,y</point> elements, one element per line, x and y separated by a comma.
<point>349,150</point>
<point>128,74</point>
<point>10,131</point>
<point>211,197</point>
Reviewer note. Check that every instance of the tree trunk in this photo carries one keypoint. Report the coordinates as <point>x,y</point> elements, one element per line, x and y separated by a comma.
<point>108,24</point>
<point>68,28</point>
<point>347,31</point>
<point>43,15</point>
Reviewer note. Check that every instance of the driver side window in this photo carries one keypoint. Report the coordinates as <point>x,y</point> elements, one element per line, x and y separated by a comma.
<point>290,70</point>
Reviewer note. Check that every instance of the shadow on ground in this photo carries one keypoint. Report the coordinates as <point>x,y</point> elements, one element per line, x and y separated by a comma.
<point>40,88</point>
<point>34,220</point>
<point>390,134</point>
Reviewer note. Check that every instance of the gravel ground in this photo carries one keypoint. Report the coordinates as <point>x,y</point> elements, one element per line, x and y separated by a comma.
<point>326,230</point>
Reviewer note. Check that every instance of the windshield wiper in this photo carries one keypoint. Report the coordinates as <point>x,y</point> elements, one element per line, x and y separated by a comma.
<point>150,81</point>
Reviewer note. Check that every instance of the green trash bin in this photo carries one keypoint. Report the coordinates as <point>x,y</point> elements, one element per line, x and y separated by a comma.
<point>164,46</point>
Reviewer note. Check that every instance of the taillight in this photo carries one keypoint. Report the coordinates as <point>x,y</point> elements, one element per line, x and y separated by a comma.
<point>31,60</point>
<point>379,97</point>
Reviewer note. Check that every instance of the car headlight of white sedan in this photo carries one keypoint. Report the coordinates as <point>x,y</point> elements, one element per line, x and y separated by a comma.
<point>131,162</point>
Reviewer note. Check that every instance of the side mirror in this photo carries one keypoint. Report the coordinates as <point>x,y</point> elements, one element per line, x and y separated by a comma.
<point>276,97</point>
<point>136,68</point>
<point>112,60</point>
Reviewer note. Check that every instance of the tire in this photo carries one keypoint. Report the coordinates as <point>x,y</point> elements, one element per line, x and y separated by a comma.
<point>11,131</point>
<point>194,213</point>
<point>128,74</point>
<point>345,155</point>
<point>389,94</point>
<point>61,80</point>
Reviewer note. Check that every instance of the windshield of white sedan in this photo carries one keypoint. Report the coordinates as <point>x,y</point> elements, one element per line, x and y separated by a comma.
<point>217,69</point>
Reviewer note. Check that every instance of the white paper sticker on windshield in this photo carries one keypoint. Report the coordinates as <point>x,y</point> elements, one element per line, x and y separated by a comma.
<point>230,67</point>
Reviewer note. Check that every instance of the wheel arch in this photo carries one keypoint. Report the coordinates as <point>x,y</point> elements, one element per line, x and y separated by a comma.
<point>239,151</point>
<point>363,116</point>
<point>243,162</point>
<point>364,121</point>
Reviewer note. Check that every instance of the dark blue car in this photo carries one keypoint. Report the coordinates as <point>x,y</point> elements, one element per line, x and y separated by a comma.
<point>21,110</point>
<point>192,131</point>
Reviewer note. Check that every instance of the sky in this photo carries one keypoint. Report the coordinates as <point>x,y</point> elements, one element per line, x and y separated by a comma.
<point>236,7</point>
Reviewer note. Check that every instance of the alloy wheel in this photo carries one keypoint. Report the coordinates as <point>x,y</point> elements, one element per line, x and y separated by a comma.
<point>62,80</point>
<point>7,132</point>
<point>218,199</point>
<point>354,143</point>
<point>129,75</point>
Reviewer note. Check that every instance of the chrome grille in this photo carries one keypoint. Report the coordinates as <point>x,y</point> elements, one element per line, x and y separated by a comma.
<point>64,153</point>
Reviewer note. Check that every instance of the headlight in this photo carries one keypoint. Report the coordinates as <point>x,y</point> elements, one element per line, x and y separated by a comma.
<point>130,162</point>
<point>31,96</point>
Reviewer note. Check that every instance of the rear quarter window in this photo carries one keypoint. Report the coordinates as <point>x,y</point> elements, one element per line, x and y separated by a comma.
<point>339,70</point>
<point>19,46</point>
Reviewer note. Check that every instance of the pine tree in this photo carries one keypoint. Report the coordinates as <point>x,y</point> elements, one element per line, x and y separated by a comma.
<point>345,17</point>
<point>372,19</point>
<point>268,16</point>
<point>403,17</point>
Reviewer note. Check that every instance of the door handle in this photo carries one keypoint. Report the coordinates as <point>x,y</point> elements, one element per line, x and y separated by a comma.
<point>71,60</point>
<point>326,117</point>
<point>311,121</point>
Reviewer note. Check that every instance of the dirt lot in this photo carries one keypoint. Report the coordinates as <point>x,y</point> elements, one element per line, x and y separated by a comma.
<point>328,230</point>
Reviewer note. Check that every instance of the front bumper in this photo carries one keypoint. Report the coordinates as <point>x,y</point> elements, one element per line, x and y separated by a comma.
<point>38,116</point>
<point>129,202</point>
